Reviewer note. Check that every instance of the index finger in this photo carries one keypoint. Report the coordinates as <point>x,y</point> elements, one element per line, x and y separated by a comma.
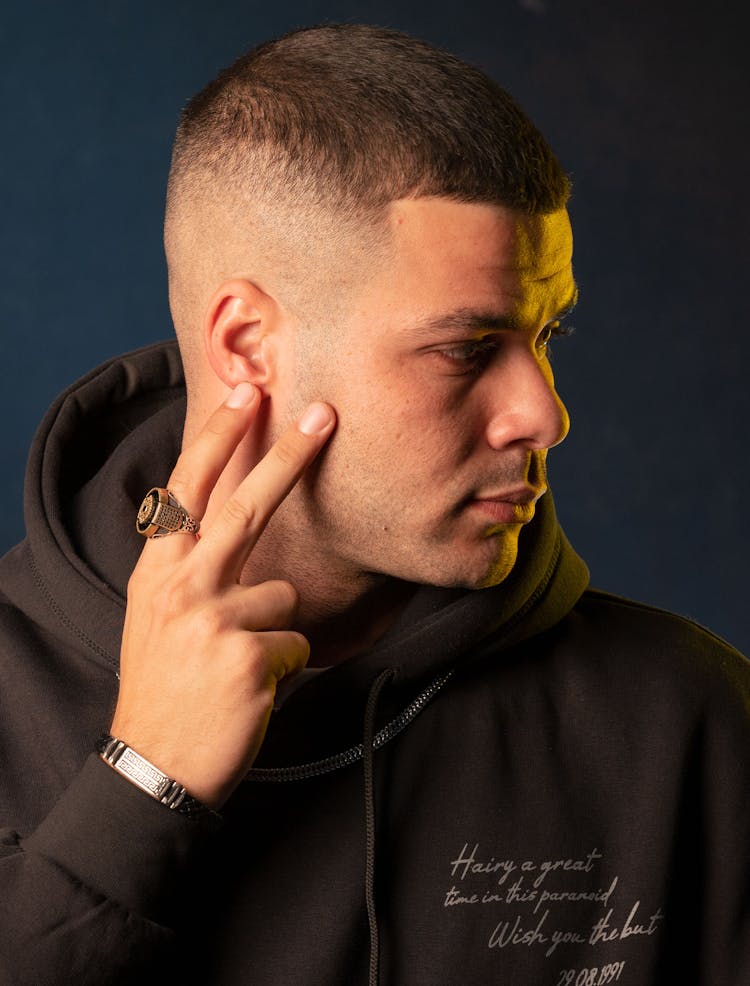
<point>234,532</point>
<point>202,461</point>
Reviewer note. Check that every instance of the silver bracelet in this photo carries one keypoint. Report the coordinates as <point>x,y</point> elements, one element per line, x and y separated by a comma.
<point>141,772</point>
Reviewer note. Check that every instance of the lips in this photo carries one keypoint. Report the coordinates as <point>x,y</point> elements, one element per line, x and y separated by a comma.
<point>515,506</point>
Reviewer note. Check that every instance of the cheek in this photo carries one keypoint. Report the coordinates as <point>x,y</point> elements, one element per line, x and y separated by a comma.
<point>423,444</point>
<point>397,419</point>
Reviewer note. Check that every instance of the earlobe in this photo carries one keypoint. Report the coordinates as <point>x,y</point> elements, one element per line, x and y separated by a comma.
<point>237,334</point>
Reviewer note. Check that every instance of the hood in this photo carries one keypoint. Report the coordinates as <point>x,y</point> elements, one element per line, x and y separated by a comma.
<point>117,432</point>
<point>102,443</point>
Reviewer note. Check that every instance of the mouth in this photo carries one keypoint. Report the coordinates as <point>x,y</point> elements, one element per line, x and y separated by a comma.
<point>516,506</point>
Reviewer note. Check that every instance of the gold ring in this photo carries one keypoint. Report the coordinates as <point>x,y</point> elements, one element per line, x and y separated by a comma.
<point>161,513</point>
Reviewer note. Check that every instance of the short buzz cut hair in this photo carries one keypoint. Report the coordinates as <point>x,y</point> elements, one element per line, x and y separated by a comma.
<point>347,118</point>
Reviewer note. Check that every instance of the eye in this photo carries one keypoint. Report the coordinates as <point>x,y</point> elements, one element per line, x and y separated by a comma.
<point>552,330</point>
<point>473,355</point>
<point>470,356</point>
<point>544,338</point>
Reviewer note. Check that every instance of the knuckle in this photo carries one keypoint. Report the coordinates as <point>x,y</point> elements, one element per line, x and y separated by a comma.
<point>256,669</point>
<point>175,598</point>
<point>286,596</point>
<point>288,451</point>
<point>300,651</point>
<point>294,656</point>
<point>182,479</point>
<point>255,655</point>
<point>210,622</point>
<point>183,484</point>
<point>240,514</point>
<point>159,601</point>
<point>256,665</point>
<point>220,422</point>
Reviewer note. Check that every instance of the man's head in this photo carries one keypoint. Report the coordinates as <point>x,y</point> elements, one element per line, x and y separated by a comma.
<point>358,217</point>
<point>284,165</point>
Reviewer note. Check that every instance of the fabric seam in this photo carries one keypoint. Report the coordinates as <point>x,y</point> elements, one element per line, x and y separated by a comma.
<point>63,618</point>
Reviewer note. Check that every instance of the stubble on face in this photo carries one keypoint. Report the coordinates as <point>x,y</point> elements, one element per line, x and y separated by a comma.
<point>394,494</point>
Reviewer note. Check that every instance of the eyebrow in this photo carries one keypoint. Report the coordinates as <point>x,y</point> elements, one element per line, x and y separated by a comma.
<point>568,307</point>
<point>472,320</point>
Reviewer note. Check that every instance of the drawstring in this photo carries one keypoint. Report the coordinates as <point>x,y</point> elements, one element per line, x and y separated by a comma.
<point>367,761</point>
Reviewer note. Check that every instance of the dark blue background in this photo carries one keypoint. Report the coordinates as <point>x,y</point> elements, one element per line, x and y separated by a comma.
<point>645,103</point>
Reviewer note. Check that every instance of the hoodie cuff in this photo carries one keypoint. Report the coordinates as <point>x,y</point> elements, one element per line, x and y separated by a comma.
<point>121,843</point>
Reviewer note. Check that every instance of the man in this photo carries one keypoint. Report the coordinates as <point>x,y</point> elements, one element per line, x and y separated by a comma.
<point>500,776</point>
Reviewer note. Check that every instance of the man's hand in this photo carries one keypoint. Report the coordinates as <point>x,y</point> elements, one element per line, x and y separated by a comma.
<point>201,654</point>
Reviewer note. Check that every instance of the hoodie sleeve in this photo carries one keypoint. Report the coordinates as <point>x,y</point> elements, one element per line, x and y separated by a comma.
<point>90,896</point>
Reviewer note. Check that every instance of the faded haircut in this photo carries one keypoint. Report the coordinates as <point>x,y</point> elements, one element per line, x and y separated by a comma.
<point>346,118</point>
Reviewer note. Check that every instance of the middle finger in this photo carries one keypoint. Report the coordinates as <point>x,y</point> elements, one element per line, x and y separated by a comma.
<point>226,546</point>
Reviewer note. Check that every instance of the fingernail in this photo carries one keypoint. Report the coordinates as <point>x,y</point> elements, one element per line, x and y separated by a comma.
<point>242,395</point>
<point>315,419</point>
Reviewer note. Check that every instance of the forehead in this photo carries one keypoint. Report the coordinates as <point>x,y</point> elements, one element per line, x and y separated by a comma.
<point>476,236</point>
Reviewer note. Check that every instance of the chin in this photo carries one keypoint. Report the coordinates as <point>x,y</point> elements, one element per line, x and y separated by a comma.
<point>498,574</point>
<point>477,572</point>
<point>495,577</point>
<point>499,558</point>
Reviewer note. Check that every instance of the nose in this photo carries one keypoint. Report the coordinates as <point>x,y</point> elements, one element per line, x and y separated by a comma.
<point>523,406</point>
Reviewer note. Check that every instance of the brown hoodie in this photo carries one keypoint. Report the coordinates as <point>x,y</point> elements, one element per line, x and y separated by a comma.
<point>551,788</point>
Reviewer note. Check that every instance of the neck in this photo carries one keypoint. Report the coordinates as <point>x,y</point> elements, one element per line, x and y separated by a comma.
<point>341,612</point>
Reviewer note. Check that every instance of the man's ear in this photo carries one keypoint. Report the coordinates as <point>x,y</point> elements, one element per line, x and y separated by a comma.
<point>238,334</point>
